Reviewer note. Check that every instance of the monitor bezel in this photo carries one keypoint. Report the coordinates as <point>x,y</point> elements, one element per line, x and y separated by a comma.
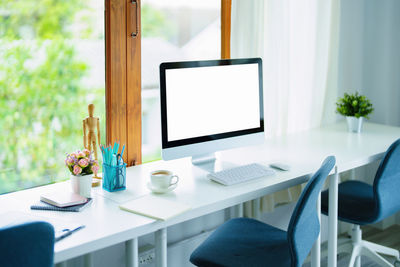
<point>198,64</point>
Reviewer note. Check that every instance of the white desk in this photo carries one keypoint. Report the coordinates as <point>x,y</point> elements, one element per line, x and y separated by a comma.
<point>107,225</point>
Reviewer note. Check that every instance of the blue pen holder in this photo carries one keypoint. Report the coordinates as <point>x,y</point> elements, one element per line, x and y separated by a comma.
<point>114,177</point>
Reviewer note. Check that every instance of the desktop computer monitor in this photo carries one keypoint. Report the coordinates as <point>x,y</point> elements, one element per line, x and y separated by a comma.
<point>208,106</point>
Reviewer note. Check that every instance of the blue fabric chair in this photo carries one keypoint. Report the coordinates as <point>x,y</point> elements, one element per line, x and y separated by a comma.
<point>248,242</point>
<point>360,203</point>
<point>27,245</point>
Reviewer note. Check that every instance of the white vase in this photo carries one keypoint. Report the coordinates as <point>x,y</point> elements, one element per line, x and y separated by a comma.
<point>354,124</point>
<point>82,184</point>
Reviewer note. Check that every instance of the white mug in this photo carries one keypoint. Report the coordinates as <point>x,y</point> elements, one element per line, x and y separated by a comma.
<point>162,179</point>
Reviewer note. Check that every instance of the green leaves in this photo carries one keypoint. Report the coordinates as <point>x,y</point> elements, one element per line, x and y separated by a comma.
<point>354,105</point>
<point>155,23</point>
<point>37,19</point>
<point>42,97</point>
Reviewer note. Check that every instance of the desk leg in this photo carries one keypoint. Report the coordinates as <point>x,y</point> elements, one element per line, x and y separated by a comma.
<point>316,249</point>
<point>255,206</point>
<point>236,211</point>
<point>131,253</point>
<point>161,247</point>
<point>333,220</point>
<point>353,174</point>
<point>88,260</point>
<point>239,210</point>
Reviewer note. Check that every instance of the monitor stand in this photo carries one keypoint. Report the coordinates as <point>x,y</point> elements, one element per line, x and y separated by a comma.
<point>210,163</point>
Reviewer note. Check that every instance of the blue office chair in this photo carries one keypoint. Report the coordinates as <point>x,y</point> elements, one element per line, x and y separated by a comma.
<point>27,245</point>
<point>360,204</point>
<point>248,242</point>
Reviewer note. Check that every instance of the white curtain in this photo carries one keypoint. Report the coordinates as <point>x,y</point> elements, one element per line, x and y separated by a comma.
<point>298,41</point>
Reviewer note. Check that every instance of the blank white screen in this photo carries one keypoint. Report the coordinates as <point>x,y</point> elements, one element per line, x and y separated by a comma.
<point>211,100</point>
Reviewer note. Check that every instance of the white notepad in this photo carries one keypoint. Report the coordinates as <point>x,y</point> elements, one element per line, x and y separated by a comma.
<point>63,199</point>
<point>155,207</point>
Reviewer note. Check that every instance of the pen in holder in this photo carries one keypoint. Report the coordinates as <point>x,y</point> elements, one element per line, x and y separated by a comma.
<point>114,177</point>
<point>114,168</point>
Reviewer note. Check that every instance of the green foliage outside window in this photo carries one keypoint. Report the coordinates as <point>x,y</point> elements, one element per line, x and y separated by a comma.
<point>154,23</point>
<point>42,98</point>
<point>354,105</point>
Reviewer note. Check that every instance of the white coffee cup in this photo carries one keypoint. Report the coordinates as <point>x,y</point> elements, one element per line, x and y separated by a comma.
<point>162,179</point>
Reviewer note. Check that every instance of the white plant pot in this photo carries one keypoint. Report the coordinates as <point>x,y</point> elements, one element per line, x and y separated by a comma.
<point>82,184</point>
<point>354,124</point>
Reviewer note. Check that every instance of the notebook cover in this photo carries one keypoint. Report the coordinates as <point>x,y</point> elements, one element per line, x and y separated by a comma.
<point>155,207</point>
<point>63,199</point>
<point>40,205</point>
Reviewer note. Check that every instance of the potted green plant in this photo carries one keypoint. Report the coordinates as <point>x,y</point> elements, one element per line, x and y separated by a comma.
<point>355,107</point>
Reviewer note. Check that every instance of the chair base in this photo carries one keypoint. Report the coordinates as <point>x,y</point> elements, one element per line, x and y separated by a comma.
<point>359,247</point>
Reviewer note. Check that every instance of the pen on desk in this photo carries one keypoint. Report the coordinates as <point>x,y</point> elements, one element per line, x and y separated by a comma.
<point>68,233</point>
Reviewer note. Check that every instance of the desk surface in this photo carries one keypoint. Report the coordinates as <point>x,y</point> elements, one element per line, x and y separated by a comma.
<point>107,225</point>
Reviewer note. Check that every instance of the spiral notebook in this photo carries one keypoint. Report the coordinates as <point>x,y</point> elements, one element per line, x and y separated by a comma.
<point>40,205</point>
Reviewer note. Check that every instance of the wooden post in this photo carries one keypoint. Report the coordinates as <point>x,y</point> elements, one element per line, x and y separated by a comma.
<point>123,86</point>
<point>226,7</point>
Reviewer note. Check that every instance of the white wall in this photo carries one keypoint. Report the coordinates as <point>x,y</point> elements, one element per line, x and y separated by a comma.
<point>369,55</point>
<point>369,61</point>
<point>381,68</point>
<point>350,46</point>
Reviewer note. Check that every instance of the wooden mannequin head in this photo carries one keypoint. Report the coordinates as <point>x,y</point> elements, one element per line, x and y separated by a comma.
<point>91,110</point>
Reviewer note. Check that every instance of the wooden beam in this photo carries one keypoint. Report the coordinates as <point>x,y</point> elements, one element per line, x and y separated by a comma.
<point>133,85</point>
<point>123,77</point>
<point>115,35</point>
<point>226,7</point>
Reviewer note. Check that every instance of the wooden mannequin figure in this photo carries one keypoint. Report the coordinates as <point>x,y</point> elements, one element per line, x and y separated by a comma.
<point>89,133</point>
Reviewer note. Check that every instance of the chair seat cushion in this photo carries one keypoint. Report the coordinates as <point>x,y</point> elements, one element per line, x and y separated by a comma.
<point>356,202</point>
<point>244,242</point>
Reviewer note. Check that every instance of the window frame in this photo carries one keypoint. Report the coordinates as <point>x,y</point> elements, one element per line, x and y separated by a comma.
<point>123,81</point>
<point>123,72</point>
<point>226,11</point>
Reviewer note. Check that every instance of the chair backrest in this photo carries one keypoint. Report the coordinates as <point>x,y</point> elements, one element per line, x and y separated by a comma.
<point>304,225</point>
<point>387,183</point>
<point>29,244</point>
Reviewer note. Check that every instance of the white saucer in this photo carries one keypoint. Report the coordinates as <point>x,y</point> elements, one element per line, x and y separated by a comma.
<point>161,190</point>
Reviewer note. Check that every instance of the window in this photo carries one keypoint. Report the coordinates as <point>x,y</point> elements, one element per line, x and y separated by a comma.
<point>52,68</point>
<point>172,31</point>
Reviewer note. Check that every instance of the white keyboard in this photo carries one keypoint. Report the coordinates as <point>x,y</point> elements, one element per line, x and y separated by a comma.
<point>241,174</point>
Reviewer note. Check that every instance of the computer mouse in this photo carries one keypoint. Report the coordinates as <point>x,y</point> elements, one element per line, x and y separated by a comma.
<point>280,166</point>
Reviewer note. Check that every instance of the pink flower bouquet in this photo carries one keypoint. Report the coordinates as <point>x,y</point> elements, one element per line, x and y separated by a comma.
<point>81,163</point>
